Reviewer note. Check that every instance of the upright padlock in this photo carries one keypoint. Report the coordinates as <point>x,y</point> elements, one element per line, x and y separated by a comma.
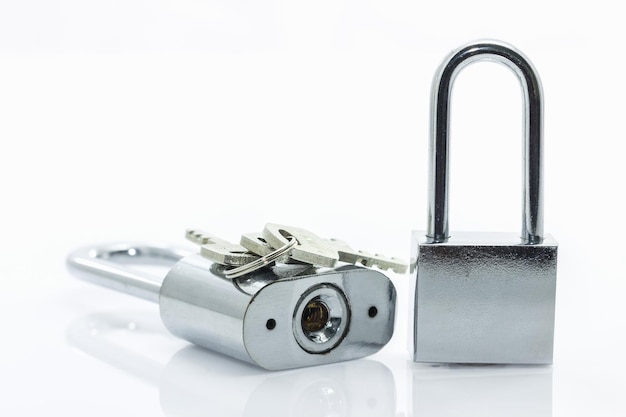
<point>485,297</point>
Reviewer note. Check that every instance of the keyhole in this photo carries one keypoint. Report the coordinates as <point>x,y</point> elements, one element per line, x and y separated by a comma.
<point>315,316</point>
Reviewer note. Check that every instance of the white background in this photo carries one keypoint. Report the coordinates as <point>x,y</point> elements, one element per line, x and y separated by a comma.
<point>136,120</point>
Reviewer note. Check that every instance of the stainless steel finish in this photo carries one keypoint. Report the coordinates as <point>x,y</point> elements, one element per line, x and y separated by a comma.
<point>532,218</point>
<point>253,283</point>
<point>199,305</point>
<point>484,297</point>
<point>262,261</point>
<point>253,318</point>
<point>278,348</point>
<point>480,298</point>
<point>310,248</point>
<point>219,250</point>
<point>107,265</point>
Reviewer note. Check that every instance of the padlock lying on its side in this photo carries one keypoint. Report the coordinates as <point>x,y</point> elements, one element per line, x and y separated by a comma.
<point>485,297</point>
<point>285,317</point>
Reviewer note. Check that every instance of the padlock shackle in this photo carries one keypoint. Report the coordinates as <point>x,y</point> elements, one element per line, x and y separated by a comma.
<point>532,210</point>
<point>110,265</point>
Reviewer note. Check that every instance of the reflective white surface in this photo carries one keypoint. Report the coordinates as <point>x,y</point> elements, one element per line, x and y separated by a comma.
<point>82,350</point>
<point>120,120</point>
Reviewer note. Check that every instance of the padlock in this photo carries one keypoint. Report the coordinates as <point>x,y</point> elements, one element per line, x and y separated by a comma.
<point>484,297</point>
<point>282,317</point>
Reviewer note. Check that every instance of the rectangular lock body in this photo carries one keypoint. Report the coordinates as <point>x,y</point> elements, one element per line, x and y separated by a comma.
<point>481,298</point>
<point>279,322</point>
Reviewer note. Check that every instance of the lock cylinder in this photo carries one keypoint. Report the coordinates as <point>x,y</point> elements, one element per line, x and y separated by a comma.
<point>270,318</point>
<point>323,319</point>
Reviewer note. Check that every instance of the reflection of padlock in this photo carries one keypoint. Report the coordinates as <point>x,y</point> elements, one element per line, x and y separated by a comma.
<point>196,381</point>
<point>279,318</point>
<point>485,391</point>
<point>485,297</point>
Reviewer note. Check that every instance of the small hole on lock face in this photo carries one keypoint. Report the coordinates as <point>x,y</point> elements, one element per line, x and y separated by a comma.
<point>270,324</point>
<point>372,312</point>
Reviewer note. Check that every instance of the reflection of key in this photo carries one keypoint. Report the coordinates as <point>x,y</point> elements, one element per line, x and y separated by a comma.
<point>310,248</point>
<point>220,251</point>
<point>256,243</point>
<point>347,254</point>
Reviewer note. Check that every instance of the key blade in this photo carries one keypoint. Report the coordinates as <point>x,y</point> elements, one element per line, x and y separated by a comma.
<point>257,244</point>
<point>197,236</point>
<point>219,250</point>
<point>310,249</point>
<point>347,254</point>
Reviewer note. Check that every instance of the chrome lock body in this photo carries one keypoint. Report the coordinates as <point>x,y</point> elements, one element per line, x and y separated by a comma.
<point>282,317</point>
<point>485,297</point>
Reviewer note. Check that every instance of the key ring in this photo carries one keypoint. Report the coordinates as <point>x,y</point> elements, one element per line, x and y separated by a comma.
<point>261,262</point>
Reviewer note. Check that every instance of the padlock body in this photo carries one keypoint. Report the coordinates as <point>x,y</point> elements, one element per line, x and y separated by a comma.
<point>482,298</point>
<point>275,321</point>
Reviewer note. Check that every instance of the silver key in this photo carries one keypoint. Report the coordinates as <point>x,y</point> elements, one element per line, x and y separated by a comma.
<point>327,252</point>
<point>219,250</point>
<point>347,254</point>
<point>256,243</point>
<point>310,249</point>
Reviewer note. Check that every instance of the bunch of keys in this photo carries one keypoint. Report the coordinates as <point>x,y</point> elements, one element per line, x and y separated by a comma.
<point>283,290</point>
<point>285,244</point>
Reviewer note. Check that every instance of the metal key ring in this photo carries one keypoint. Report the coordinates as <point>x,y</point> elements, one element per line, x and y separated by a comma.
<point>261,262</point>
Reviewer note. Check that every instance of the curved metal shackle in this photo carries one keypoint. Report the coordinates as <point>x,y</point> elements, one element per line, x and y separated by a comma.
<point>105,265</point>
<point>532,211</point>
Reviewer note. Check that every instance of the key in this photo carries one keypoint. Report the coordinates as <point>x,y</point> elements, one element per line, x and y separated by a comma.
<point>219,250</point>
<point>349,255</point>
<point>327,252</point>
<point>256,243</point>
<point>310,249</point>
